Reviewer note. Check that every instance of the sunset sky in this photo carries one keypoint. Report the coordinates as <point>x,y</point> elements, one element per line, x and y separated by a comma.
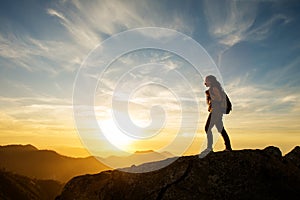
<point>255,45</point>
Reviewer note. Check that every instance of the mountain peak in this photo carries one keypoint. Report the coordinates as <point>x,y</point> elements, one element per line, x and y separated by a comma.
<point>18,148</point>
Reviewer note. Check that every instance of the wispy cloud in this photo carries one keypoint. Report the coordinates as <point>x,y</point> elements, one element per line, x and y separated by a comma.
<point>90,22</point>
<point>239,21</point>
<point>39,55</point>
<point>37,113</point>
<point>286,75</point>
<point>263,30</point>
<point>255,100</point>
<point>236,21</point>
<point>78,29</point>
<point>35,100</point>
<point>233,20</point>
<point>87,24</point>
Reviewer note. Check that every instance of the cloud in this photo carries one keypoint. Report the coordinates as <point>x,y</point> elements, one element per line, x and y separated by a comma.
<point>78,29</point>
<point>162,72</point>
<point>38,100</point>
<point>228,21</point>
<point>263,30</point>
<point>286,75</point>
<point>87,24</point>
<point>231,22</point>
<point>39,55</point>
<point>36,113</point>
<point>91,22</point>
<point>255,100</point>
<point>290,98</point>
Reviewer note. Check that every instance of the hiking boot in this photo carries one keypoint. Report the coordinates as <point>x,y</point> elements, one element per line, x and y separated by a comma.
<point>205,152</point>
<point>227,149</point>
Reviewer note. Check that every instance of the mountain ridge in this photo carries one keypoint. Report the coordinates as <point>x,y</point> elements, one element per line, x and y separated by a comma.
<point>137,158</point>
<point>17,147</point>
<point>29,161</point>
<point>241,174</point>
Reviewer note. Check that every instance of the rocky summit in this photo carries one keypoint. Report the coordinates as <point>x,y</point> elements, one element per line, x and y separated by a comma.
<point>242,174</point>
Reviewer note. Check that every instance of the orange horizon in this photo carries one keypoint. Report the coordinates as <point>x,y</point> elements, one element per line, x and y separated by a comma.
<point>239,142</point>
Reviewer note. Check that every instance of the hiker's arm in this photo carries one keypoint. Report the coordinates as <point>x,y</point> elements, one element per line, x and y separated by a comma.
<point>207,97</point>
<point>216,95</point>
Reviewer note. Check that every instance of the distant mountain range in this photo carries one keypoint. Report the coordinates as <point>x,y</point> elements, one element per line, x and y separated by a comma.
<point>29,161</point>
<point>139,157</point>
<point>237,175</point>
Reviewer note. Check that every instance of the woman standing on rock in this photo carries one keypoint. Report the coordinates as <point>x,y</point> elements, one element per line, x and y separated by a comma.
<point>215,97</point>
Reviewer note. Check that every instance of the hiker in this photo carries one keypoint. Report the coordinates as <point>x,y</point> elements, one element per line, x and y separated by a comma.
<point>215,97</point>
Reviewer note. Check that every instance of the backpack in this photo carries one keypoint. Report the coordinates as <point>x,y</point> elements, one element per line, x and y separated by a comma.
<point>227,106</point>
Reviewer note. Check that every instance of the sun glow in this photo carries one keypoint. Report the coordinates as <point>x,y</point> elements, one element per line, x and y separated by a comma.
<point>115,136</point>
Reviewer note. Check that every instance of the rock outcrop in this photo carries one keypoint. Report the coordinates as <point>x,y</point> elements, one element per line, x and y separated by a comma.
<point>243,174</point>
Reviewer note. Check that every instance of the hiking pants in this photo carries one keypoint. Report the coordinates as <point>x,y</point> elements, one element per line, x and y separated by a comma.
<point>215,119</point>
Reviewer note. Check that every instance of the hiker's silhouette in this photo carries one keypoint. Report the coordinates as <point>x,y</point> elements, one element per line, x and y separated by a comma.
<point>215,97</point>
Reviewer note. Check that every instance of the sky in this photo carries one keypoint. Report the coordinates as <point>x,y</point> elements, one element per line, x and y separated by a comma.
<point>44,45</point>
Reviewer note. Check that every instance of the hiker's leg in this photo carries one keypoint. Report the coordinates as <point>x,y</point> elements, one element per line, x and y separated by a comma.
<point>226,139</point>
<point>223,132</point>
<point>208,127</point>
